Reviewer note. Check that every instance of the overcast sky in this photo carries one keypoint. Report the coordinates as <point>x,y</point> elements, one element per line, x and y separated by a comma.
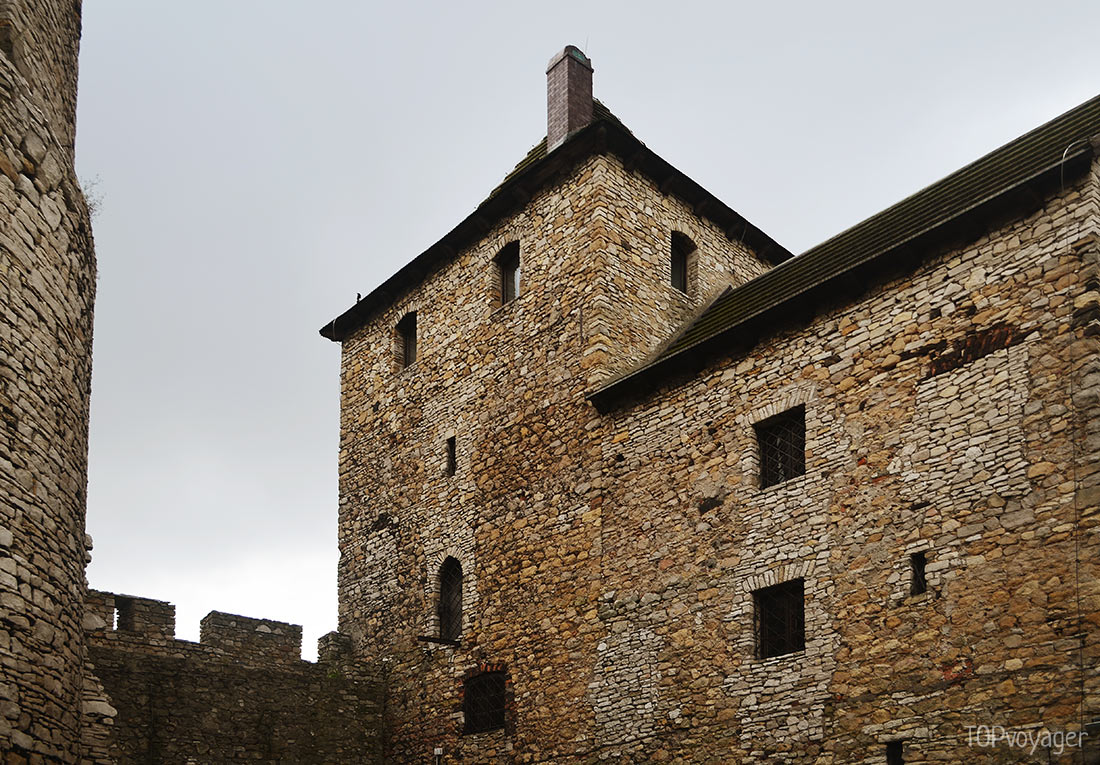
<point>257,162</point>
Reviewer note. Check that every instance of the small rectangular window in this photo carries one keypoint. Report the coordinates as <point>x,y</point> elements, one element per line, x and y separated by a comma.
<point>406,332</point>
<point>124,614</point>
<point>483,702</point>
<point>508,264</point>
<point>895,753</point>
<point>452,456</point>
<point>782,443</point>
<point>918,582</point>
<point>780,619</point>
<point>681,249</point>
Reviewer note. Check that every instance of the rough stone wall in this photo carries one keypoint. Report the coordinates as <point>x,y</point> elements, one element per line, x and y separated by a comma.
<point>611,560</point>
<point>241,694</point>
<point>634,307</point>
<point>944,414</point>
<point>47,285</point>
<point>507,382</point>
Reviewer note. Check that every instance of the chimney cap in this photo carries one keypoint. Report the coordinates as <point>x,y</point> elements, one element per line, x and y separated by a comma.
<point>572,51</point>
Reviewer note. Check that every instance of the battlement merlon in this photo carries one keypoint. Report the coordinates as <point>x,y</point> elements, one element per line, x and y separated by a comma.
<point>145,617</point>
<point>254,638</point>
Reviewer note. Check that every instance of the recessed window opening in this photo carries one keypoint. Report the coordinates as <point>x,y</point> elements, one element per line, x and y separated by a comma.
<point>780,619</point>
<point>682,249</point>
<point>124,615</point>
<point>918,581</point>
<point>508,267</point>
<point>7,39</point>
<point>483,702</point>
<point>452,456</point>
<point>406,339</point>
<point>782,442</point>
<point>895,753</point>
<point>450,600</point>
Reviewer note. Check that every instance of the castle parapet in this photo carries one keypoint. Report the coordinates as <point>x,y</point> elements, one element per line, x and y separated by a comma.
<point>129,615</point>
<point>264,639</point>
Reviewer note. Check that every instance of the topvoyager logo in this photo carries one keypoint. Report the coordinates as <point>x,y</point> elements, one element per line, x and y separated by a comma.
<point>1056,741</point>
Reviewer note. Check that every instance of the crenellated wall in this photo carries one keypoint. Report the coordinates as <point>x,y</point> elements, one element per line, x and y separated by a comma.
<point>242,693</point>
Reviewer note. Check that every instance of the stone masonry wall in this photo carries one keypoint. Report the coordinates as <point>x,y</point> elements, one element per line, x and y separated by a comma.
<point>241,694</point>
<point>930,427</point>
<point>507,382</point>
<point>610,560</point>
<point>47,286</point>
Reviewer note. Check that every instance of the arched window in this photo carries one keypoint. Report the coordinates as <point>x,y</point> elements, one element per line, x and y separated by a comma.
<point>450,600</point>
<point>682,249</point>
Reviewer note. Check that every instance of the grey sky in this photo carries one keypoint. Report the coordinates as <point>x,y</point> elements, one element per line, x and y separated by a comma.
<point>260,162</point>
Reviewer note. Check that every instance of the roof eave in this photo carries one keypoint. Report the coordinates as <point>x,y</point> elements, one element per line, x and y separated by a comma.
<point>642,380</point>
<point>598,137</point>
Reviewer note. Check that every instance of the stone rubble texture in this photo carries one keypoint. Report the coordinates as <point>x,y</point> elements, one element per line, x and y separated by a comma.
<point>49,700</point>
<point>241,694</point>
<point>610,558</point>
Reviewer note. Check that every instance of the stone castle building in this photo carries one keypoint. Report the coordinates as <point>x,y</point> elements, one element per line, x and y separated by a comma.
<point>622,480</point>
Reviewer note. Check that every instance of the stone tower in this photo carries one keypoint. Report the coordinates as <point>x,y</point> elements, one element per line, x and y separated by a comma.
<point>47,283</point>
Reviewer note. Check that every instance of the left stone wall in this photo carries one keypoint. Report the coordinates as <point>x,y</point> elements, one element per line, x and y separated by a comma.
<point>47,289</point>
<point>242,693</point>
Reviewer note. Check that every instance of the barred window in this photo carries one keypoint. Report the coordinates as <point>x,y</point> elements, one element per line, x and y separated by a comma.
<point>406,337</point>
<point>682,248</point>
<point>483,702</point>
<point>450,600</point>
<point>918,581</point>
<point>782,443</point>
<point>508,266</point>
<point>780,619</point>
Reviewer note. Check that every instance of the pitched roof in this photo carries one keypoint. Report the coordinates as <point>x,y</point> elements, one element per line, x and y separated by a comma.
<point>1046,156</point>
<point>605,134</point>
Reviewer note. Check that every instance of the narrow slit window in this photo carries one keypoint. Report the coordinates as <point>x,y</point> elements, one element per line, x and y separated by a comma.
<point>895,753</point>
<point>682,249</point>
<point>782,443</point>
<point>780,619</point>
<point>124,615</point>
<point>406,339</point>
<point>452,456</point>
<point>450,600</point>
<point>918,581</point>
<point>483,702</point>
<point>508,266</point>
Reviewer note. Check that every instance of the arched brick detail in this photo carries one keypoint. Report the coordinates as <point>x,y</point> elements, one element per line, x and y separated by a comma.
<point>433,563</point>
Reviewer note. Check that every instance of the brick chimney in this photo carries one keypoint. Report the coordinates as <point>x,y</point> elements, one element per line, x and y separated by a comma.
<point>568,95</point>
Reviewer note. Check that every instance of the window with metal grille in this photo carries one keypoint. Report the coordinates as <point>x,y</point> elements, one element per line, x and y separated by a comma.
<point>406,334</point>
<point>780,619</point>
<point>895,753</point>
<point>483,702</point>
<point>452,456</point>
<point>918,582</point>
<point>682,248</point>
<point>450,600</point>
<point>508,265</point>
<point>782,442</point>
